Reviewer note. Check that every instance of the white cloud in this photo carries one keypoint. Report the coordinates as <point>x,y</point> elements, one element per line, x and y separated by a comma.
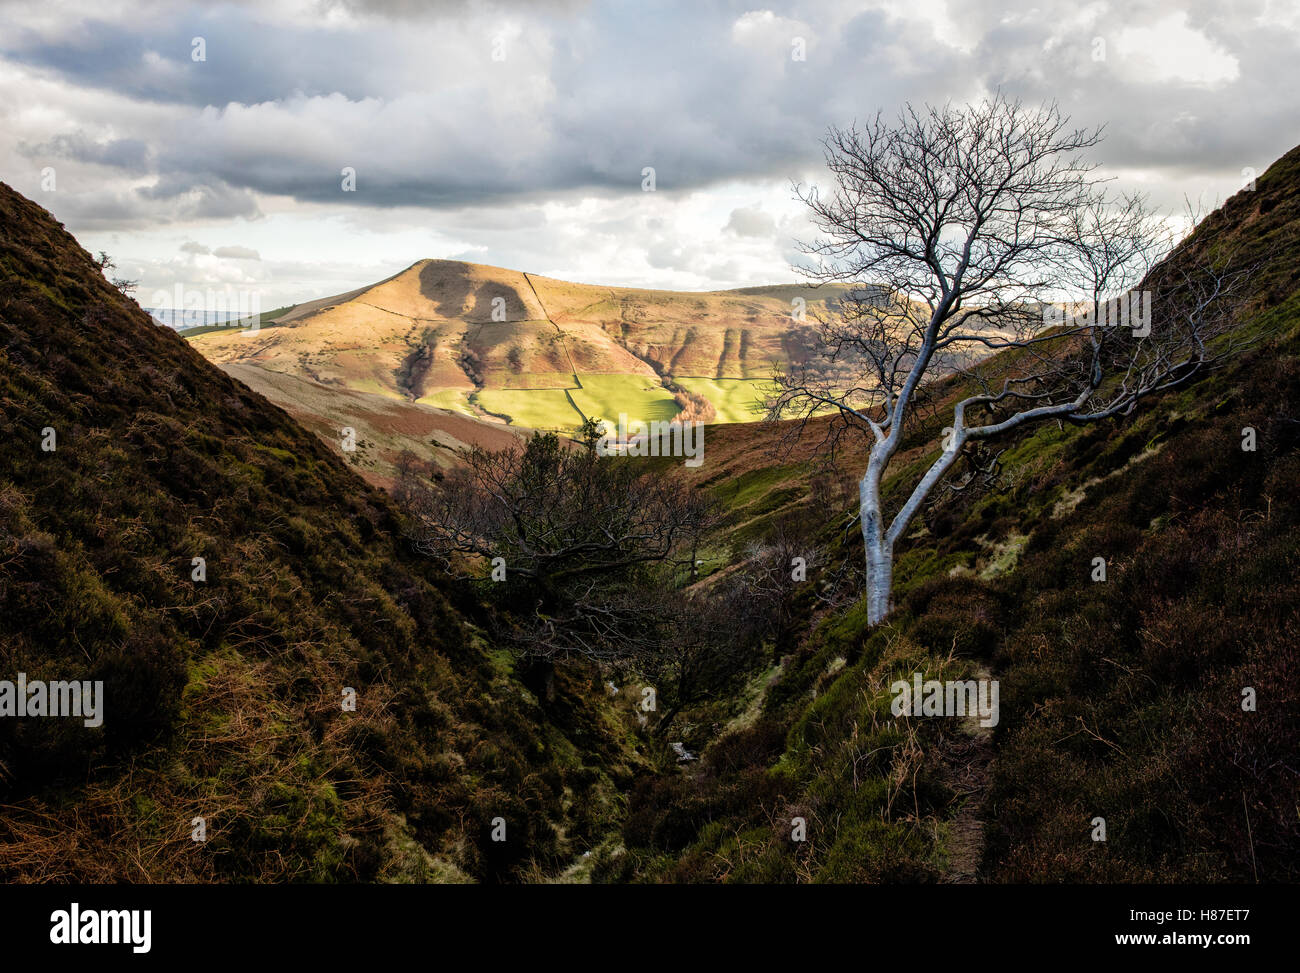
<point>1170,50</point>
<point>751,221</point>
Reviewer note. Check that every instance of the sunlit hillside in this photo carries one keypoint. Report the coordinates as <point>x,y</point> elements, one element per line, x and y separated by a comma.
<point>511,347</point>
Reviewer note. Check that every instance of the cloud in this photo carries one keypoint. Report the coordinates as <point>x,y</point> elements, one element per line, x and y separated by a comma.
<point>537,154</point>
<point>236,253</point>
<point>417,9</point>
<point>210,199</point>
<point>1170,50</point>
<point>130,155</point>
<point>750,221</point>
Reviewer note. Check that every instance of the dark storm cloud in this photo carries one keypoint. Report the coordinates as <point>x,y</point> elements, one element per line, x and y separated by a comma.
<point>244,60</point>
<point>129,155</point>
<point>285,107</point>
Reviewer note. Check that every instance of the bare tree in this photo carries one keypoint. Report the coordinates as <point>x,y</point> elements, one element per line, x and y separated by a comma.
<point>971,230</point>
<point>598,559</point>
<point>105,263</point>
<point>573,547</point>
<point>554,513</point>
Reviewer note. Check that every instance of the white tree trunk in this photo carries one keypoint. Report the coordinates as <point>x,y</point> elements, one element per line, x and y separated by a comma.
<point>880,551</point>
<point>878,540</point>
<point>880,582</point>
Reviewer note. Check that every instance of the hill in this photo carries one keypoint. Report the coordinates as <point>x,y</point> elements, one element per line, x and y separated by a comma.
<point>168,532</point>
<point>506,346</point>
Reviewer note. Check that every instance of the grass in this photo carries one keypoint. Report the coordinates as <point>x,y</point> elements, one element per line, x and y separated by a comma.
<point>734,399</point>
<point>605,396</point>
<point>640,397</point>
<point>752,486</point>
<point>453,400</point>
<point>601,396</point>
<point>535,408</point>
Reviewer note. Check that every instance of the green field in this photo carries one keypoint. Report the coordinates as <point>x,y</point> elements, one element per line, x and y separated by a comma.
<point>537,408</point>
<point>453,400</point>
<point>734,399</point>
<point>601,396</point>
<point>606,396</point>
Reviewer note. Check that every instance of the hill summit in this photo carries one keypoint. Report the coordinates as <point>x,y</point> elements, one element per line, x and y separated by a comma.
<point>406,360</point>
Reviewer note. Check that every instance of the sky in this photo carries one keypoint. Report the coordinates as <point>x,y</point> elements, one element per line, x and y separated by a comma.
<point>210,145</point>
